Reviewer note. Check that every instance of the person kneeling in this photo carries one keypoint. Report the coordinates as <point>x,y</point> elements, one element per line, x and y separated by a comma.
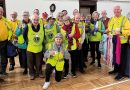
<point>55,60</point>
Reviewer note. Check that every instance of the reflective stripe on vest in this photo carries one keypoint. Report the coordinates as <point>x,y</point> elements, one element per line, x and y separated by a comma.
<point>119,26</point>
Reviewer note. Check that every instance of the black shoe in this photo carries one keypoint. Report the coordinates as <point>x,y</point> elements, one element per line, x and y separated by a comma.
<point>85,66</point>
<point>119,77</point>
<point>112,72</point>
<point>99,66</point>
<point>92,63</point>
<point>11,68</point>
<point>82,71</point>
<point>25,72</point>
<point>74,75</point>
<point>1,80</point>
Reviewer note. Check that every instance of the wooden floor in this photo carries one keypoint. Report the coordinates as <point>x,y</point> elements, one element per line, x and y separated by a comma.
<point>94,79</point>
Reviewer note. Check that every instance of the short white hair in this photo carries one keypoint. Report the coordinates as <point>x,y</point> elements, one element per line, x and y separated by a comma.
<point>34,16</point>
<point>26,12</point>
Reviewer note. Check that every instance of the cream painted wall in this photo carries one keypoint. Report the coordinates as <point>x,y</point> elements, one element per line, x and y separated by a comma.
<point>108,6</point>
<point>42,5</point>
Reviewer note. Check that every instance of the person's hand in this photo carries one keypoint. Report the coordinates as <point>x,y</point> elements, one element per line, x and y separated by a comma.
<point>79,46</point>
<point>62,52</point>
<point>70,35</point>
<point>20,25</point>
<point>52,52</point>
<point>117,31</point>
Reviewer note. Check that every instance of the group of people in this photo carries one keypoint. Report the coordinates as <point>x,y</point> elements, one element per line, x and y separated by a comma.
<point>62,40</point>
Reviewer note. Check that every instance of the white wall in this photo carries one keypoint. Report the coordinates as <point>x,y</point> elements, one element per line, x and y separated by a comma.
<point>42,5</point>
<point>108,6</point>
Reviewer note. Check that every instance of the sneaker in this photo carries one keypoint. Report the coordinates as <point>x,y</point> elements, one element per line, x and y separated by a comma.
<point>32,77</point>
<point>46,85</point>
<point>65,77</point>
<point>74,75</point>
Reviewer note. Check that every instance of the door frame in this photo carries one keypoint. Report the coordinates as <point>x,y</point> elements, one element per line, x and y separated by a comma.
<point>92,4</point>
<point>4,6</point>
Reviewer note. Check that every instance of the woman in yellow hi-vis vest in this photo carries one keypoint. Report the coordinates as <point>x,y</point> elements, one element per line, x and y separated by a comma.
<point>34,36</point>
<point>21,44</point>
<point>55,59</point>
<point>68,40</point>
<point>76,54</point>
<point>51,29</point>
<point>95,37</point>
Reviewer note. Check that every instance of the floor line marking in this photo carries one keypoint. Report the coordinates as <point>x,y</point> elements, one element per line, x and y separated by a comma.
<point>111,85</point>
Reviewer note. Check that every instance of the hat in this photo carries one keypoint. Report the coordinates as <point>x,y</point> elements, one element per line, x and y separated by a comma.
<point>51,18</point>
<point>59,35</point>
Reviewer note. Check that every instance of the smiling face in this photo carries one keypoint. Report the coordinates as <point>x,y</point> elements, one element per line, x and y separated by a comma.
<point>77,18</point>
<point>14,16</point>
<point>95,16</point>
<point>35,20</point>
<point>117,11</point>
<point>36,11</point>
<point>26,16</point>
<point>51,21</point>
<point>58,41</point>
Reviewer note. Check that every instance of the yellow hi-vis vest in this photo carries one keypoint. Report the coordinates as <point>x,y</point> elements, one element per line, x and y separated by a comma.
<point>56,60</point>
<point>81,27</point>
<point>65,39</point>
<point>5,29</point>
<point>121,23</point>
<point>35,39</point>
<point>98,35</point>
<point>20,37</point>
<point>50,35</point>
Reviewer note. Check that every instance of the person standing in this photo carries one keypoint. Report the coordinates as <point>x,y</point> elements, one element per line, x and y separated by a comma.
<point>79,36</point>
<point>5,35</point>
<point>95,37</point>
<point>51,29</point>
<point>66,31</point>
<point>104,19</point>
<point>117,26</point>
<point>22,44</point>
<point>14,23</point>
<point>34,36</point>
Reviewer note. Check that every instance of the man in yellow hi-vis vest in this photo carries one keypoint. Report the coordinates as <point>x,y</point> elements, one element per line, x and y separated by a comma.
<point>55,55</point>
<point>118,26</point>
<point>5,35</point>
<point>34,36</point>
<point>14,23</point>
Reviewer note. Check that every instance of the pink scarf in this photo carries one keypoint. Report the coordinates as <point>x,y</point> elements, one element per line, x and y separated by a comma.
<point>118,50</point>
